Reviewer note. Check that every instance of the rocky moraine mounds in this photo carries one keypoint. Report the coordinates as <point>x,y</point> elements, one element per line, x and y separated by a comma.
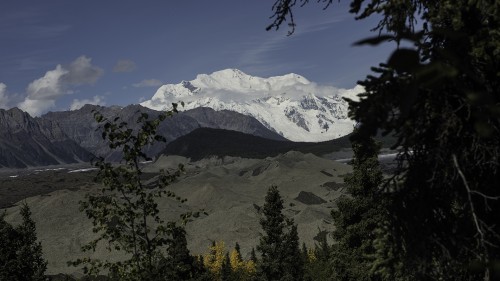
<point>231,190</point>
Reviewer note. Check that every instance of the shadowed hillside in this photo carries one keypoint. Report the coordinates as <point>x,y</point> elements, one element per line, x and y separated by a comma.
<point>205,142</point>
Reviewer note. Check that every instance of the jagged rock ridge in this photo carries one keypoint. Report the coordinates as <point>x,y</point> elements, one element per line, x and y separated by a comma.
<point>81,127</point>
<point>28,141</point>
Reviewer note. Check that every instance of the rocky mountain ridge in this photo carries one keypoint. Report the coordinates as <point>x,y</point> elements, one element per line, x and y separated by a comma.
<point>74,136</point>
<point>28,141</point>
<point>81,126</point>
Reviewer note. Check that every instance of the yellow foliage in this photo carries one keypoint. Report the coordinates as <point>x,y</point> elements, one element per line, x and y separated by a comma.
<point>235,259</point>
<point>311,255</point>
<point>214,259</point>
<point>244,269</point>
<point>250,267</point>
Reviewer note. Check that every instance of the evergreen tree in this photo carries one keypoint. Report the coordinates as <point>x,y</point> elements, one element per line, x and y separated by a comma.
<point>358,215</point>
<point>439,97</point>
<point>322,251</point>
<point>279,246</point>
<point>8,251</point>
<point>253,256</point>
<point>226,270</point>
<point>293,265</point>
<point>180,264</point>
<point>318,267</point>
<point>304,252</point>
<point>21,257</point>
<point>30,251</point>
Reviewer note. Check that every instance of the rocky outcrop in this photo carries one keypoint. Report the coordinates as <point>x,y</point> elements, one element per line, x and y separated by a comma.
<point>27,141</point>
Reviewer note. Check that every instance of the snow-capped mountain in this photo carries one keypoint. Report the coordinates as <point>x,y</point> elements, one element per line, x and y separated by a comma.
<point>291,105</point>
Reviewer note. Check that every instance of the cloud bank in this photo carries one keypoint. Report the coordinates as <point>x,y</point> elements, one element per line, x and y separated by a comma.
<point>43,92</point>
<point>4,99</point>
<point>77,104</point>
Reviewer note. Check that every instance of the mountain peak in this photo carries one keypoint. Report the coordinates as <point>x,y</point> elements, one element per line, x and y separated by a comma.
<point>229,72</point>
<point>289,104</point>
<point>236,80</point>
<point>16,110</point>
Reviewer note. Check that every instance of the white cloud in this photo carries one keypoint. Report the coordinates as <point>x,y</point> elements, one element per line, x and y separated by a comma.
<point>49,86</point>
<point>77,104</point>
<point>148,83</point>
<point>43,92</point>
<point>124,66</point>
<point>36,107</point>
<point>81,71</point>
<point>294,92</point>
<point>4,99</point>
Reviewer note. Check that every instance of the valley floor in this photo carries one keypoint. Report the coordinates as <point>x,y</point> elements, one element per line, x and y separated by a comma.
<point>230,190</point>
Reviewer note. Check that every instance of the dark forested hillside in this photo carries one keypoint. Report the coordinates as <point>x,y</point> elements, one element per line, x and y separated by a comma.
<point>205,142</point>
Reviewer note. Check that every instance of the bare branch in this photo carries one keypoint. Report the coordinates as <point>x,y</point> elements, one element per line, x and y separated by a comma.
<point>484,195</point>
<point>482,240</point>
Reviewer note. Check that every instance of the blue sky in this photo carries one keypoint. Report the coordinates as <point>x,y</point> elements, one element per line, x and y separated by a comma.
<point>59,54</point>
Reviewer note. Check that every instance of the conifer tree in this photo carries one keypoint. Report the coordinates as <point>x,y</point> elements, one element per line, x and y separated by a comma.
<point>358,215</point>
<point>21,256</point>
<point>226,270</point>
<point>279,245</point>
<point>180,264</point>
<point>305,254</point>
<point>30,252</point>
<point>438,96</point>
<point>318,267</point>
<point>253,256</point>
<point>293,263</point>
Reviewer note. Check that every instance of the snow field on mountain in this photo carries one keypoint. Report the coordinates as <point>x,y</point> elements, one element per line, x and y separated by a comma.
<point>291,105</point>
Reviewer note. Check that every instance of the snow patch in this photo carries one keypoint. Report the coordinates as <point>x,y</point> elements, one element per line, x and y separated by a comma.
<point>83,170</point>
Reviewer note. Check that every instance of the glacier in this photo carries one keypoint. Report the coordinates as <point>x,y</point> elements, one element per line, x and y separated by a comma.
<point>291,105</point>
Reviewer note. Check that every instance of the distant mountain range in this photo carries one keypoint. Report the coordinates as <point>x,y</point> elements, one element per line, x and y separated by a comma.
<point>289,105</point>
<point>267,112</point>
<point>27,141</point>
<point>80,126</point>
<point>74,136</point>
